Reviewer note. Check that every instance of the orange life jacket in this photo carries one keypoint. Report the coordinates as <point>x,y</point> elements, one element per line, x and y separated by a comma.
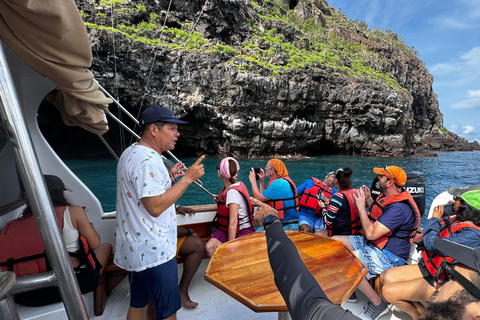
<point>278,203</point>
<point>309,197</point>
<point>377,209</point>
<point>448,227</point>
<point>356,225</point>
<point>22,250</point>
<point>223,214</point>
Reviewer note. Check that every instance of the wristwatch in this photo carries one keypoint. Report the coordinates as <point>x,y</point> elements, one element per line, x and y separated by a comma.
<point>269,220</point>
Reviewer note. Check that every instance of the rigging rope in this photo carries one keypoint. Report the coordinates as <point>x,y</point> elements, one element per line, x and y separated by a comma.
<point>122,126</point>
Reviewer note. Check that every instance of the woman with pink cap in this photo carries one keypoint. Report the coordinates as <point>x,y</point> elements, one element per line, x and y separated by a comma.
<point>234,209</point>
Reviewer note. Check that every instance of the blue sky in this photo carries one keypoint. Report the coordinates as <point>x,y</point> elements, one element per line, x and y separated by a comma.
<point>446,35</point>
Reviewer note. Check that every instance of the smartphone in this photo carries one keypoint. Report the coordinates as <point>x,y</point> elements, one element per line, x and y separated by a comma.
<point>448,209</point>
<point>257,171</point>
<point>322,197</point>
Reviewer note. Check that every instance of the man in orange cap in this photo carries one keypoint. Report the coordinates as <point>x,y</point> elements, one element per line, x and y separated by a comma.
<point>280,193</point>
<point>387,232</point>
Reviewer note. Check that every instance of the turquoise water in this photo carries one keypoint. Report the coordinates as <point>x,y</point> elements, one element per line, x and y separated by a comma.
<point>449,169</point>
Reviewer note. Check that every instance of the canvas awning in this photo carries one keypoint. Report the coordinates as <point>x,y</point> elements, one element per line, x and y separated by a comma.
<point>49,36</point>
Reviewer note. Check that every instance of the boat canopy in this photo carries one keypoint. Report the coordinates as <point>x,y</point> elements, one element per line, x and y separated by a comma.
<point>51,38</point>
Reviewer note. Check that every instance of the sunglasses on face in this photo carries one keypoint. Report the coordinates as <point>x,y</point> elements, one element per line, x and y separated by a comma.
<point>394,179</point>
<point>446,271</point>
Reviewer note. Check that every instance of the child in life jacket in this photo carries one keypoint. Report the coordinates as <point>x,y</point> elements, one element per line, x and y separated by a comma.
<point>234,216</point>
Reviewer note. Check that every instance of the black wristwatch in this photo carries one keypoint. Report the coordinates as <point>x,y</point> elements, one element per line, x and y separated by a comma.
<point>269,220</point>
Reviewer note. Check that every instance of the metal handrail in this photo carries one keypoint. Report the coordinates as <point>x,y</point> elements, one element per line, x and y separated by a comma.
<point>34,184</point>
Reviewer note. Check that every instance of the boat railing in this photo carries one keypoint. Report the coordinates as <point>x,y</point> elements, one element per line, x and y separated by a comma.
<point>31,175</point>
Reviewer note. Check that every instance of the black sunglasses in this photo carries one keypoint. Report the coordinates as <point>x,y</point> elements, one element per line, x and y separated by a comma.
<point>446,271</point>
<point>218,168</point>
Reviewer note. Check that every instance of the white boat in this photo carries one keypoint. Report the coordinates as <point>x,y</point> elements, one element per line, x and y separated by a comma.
<point>25,155</point>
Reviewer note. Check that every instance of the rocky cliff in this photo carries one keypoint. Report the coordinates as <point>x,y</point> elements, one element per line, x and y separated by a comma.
<point>273,77</point>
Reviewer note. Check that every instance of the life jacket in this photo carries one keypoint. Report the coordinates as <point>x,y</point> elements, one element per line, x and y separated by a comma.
<point>377,209</point>
<point>22,250</point>
<point>448,227</point>
<point>222,217</point>
<point>278,203</point>
<point>356,225</point>
<point>309,198</point>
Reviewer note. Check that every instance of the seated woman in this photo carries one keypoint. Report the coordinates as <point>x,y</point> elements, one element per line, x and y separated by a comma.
<point>341,216</point>
<point>409,285</point>
<point>88,268</point>
<point>234,209</point>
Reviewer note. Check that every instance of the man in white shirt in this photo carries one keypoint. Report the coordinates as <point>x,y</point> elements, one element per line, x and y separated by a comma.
<point>146,236</point>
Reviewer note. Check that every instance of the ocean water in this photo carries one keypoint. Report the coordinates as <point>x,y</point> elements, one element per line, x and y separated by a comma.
<point>449,169</point>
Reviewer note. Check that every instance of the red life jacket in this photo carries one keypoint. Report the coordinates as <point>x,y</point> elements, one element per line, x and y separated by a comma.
<point>309,197</point>
<point>223,214</point>
<point>356,225</point>
<point>278,203</point>
<point>22,250</point>
<point>448,227</point>
<point>377,209</point>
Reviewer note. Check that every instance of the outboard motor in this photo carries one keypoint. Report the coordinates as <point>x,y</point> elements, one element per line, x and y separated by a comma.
<point>415,185</point>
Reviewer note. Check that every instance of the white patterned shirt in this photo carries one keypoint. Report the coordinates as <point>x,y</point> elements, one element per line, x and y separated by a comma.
<point>143,241</point>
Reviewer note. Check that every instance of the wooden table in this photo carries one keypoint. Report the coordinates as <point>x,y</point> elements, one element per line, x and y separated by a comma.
<point>241,269</point>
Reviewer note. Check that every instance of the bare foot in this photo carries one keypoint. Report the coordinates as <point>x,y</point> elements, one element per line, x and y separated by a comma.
<point>186,302</point>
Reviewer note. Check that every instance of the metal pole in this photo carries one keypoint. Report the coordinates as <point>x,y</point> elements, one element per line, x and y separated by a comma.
<point>34,282</point>
<point>37,193</point>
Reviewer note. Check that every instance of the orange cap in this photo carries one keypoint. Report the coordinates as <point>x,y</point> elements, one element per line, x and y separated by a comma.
<point>396,174</point>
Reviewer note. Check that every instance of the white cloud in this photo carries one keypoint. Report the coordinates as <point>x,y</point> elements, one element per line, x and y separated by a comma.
<point>468,130</point>
<point>461,71</point>
<point>454,128</point>
<point>472,101</point>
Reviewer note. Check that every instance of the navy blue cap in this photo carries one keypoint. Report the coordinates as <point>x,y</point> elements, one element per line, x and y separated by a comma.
<point>155,114</point>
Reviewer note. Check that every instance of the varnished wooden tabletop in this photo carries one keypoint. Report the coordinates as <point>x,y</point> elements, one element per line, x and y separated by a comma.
<point>241,269</point>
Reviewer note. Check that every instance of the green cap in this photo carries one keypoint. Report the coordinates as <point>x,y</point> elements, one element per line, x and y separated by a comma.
<point>472,198</point>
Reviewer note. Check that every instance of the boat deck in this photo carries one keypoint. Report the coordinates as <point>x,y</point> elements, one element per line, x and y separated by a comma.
<point>215,304</point>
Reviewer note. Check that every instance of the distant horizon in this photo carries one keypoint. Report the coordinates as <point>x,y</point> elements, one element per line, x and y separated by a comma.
<point>446,36</point>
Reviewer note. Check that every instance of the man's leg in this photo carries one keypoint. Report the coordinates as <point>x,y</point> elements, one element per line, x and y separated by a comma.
<point>158,291</point>
<point>402,273</point>
<point>138,313</point>
<point>345,240</point>
<point>406,295</point>
<point>405,288</point>
<point>192,251</point>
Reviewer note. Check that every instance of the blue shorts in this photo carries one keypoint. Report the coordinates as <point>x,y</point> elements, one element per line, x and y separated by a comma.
<point>159,284</point>
<point>315,222</point>
<point>373,258</point>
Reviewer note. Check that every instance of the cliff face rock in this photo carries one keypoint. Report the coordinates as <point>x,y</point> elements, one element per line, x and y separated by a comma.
<point>252,83</point>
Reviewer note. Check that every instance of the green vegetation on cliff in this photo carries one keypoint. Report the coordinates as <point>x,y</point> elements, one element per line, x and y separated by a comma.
<point>294,41</point>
